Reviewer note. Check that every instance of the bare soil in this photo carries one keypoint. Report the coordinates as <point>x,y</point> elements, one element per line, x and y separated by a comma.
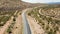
<point>35,28</point>
<point>5,27</point>
<point>17,29</point>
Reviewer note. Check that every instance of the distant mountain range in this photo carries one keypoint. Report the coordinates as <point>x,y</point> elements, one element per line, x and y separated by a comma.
<point>53,3</point>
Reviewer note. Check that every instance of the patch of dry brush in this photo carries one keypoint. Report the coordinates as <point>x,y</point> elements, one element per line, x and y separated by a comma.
<point>47,18</point>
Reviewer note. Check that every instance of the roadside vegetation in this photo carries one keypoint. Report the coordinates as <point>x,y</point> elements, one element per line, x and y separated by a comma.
<point>7,12</point>
<point>9,30</point>
<point>11,27</point>
<point>5,16</point>
<point>3,20</point>
<point>46,18</point>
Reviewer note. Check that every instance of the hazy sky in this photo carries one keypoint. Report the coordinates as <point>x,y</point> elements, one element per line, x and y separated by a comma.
<point>41,1</point>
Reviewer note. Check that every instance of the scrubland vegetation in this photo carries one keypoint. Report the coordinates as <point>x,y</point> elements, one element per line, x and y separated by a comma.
<point>11,26</point>
<point>47,18</point>
<point>3,20</point>
<point>6,16</point>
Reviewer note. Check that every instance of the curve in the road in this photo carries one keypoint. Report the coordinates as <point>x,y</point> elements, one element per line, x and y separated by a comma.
<point>26,25</point>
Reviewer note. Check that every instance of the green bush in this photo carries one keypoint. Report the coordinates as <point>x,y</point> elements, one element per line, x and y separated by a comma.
<point>29,14</point>
<point>9,30</point>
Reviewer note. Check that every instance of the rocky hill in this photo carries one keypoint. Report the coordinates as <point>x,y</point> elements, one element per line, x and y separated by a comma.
<point>16,4</point>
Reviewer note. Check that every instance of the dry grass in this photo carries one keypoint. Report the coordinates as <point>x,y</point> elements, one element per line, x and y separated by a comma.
<point>44,18</point>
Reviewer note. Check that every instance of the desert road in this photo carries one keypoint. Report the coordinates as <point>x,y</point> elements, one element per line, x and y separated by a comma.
<point>26,26</point>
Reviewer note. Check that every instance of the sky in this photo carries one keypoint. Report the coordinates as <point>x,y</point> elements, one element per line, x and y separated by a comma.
<point>41,1</point>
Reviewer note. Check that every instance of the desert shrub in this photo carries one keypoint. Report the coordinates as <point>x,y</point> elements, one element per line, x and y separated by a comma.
<point>20,13</point>
<point>29,14</point>
<point>56,28</point>
<point>3,20</point>
<point>14,19</point>
<point>57,22</point>
<point>50,32</point>
<point>47,27</point>
<point>9,30</point>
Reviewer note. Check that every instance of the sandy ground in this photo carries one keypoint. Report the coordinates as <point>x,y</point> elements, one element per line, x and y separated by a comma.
<point>5,27</point>
<point>35,28</point>
<point>17,29</point>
